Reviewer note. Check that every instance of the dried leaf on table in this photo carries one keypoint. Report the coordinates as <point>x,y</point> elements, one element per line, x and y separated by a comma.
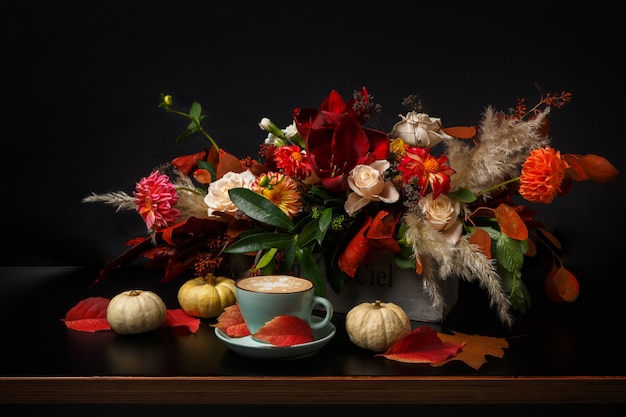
<point>89,315</point>
<point>284,331</point>
<point>422,345</point>
<point>177,317</point>
<point>475,348</point>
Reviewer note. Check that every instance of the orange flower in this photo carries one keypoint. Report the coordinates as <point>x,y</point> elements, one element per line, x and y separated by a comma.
<point>429,172</point>
<point>281,190</point>
<point>542,175</point>
<point>293,161</point>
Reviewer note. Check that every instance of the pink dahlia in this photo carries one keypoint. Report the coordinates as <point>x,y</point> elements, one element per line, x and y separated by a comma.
<point>156,197</point>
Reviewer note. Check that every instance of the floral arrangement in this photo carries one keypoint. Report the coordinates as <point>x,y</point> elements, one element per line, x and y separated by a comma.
<point>331,191</point>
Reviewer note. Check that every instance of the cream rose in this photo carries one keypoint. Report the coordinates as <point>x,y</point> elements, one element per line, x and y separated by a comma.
<point>217,198</point>
<point>418,129</point>
<point>442,214</point>
<point>368,184</point>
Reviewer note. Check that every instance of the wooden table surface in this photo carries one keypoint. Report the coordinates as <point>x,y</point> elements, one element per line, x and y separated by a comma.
<point>558,354</point>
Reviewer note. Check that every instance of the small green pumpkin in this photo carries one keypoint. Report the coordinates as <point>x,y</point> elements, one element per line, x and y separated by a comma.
<point>207,296</point>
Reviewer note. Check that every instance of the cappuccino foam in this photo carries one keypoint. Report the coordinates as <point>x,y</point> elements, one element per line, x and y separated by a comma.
<point>274,284</point>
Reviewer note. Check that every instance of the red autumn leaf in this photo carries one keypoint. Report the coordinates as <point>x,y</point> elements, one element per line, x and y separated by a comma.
<point>561,285</point>
<point>283,331</point>
<point>231,322</point>
<point>178,317</point>
<point>422,345</point>
<point>187,163</point>
<point>89,315</point>
<point>591,166</point>
<point>461,132</point>
<point>482,239</point>
<point>511,224</point>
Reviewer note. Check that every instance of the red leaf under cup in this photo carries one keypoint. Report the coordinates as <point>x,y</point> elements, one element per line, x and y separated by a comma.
<point>283,331</point>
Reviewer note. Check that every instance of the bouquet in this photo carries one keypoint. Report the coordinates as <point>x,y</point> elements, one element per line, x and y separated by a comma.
<point>331,191</point>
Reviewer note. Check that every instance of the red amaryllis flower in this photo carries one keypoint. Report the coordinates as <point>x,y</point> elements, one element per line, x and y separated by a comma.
<point>336,141</point>
<point>542,175</point>
<point>293,161</point>
<point>419,165</point>
<point>155,197</point>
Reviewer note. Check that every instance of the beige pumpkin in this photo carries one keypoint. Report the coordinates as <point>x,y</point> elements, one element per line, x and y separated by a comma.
<point>377,326</point>
<point>207,296</point>
<point>136,311</point>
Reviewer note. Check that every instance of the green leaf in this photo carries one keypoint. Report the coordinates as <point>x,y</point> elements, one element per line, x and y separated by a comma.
<point>309,233</point>
<point>464,195</point>
<point>260,241</point>
<point>325,219</point>
<point>195,112</point>
<point>509,253</point>
<point>259,208</point>
<point>184,135</point>
<point>266,258</point>
<point>309,268</point>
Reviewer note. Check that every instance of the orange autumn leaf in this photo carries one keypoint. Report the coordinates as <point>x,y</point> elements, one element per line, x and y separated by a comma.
<point>475,350</point>
<point>561,285</point>
<point>227,163</point>
<point>511,224</point>
<point>590,166</point>
<point>376,235</point>
<point>284,331</point>
<point>481,239</point>
<point>422,345</point>
<point>461,132</point>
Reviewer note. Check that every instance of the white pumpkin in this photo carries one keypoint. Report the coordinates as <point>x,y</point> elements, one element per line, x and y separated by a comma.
<point>377,326</point>
<point>136,311</point>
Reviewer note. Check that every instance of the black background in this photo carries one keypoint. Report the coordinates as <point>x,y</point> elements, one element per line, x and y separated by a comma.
<point>82,84</point>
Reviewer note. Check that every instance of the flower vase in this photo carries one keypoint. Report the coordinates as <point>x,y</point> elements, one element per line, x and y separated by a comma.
<point>383,280</point>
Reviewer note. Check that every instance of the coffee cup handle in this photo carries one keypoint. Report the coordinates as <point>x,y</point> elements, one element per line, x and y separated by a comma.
<point>328,307</point>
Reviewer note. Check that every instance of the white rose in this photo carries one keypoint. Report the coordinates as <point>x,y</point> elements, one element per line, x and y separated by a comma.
<point>442,214</point>
<point>217,198</point>
<point>418,129</point>
<point>368,184</point>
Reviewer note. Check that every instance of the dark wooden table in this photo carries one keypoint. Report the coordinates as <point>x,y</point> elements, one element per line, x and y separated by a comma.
<point>558,354</point>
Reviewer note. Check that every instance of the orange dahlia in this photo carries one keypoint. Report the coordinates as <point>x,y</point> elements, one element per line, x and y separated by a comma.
<point>542,175</point>
<point>281,190</point>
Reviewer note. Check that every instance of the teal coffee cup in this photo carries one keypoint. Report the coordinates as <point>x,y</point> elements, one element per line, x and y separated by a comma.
<point>262,298</point>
